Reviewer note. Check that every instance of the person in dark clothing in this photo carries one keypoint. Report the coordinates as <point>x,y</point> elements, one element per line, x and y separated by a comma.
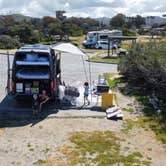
<point>35,104</point>
<point>43,99</point>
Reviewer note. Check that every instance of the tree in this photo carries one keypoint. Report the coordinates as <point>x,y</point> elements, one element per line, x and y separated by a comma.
<point>23,31</point>
<point>55,29</point>
<point>6,42</point>
<point>139,21</point>
<point>118,21</point>
<point>48,20</point>
<point>36,37</point>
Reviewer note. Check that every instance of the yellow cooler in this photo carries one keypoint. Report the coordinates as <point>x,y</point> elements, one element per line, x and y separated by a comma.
<point>107,100</point>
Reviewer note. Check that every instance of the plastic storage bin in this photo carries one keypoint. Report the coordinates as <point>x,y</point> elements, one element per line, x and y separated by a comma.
<point>107,100</point>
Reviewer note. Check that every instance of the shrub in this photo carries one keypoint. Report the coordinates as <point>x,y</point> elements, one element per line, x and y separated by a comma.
<point>145,66</point>
<point>6,42</point>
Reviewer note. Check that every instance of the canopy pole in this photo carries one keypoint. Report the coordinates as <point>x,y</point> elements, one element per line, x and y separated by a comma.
<point>8,71</point>
<point>90,76</point>
<point>86,76</point>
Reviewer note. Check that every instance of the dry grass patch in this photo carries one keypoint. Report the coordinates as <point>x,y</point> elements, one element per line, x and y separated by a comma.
<point>11,51</point>
<point>77,39</point>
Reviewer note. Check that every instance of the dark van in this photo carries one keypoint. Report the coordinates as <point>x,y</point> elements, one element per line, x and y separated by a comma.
<point>35,68</point>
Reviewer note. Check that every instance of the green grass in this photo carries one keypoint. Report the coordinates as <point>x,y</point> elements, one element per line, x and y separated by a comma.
<point>40,162</point>
<point>99,148</point>
<point>126,46</point>
<point>105,59</point>
<point>113,82</point>
<point>154,123</point>
<point>128,125</point>
<point>130,110</point>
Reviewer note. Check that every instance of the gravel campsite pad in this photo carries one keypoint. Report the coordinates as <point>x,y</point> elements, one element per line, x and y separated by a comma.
<point>39,142</point>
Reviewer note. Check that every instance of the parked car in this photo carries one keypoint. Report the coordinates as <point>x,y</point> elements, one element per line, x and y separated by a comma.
<point>94,36</point>
<point>104,45</point>
<point>35,68</point>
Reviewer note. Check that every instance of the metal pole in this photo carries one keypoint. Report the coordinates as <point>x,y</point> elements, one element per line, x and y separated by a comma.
<point>8,71</point>
<point>112,49</point>
<point>108,47</point>
<point>90,76</point>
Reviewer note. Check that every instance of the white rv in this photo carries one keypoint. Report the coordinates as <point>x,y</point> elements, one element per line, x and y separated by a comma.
<point>94,36</point>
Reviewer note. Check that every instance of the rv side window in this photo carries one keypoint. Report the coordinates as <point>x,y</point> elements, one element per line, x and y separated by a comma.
<point>104,37</point>
<point>105,43</point>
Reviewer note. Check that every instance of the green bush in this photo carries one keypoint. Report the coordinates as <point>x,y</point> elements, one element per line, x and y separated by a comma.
<point>128,32</point>
<point>6,42</point>
<point>145,66</point>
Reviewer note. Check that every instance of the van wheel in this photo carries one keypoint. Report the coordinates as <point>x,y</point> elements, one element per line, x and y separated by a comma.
<point>100,48</point>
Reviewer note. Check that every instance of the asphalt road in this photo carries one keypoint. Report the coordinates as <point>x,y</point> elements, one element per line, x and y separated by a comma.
<point>73,73</point>
<point>73,69</point>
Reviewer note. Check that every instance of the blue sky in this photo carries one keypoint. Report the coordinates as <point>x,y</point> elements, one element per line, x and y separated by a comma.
<point>84,8</point>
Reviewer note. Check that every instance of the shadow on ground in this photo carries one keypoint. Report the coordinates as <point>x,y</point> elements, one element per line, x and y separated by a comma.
<point>14,114</point>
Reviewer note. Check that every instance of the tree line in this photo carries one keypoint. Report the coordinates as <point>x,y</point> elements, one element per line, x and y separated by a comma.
<point>18,29</point>
<point>35,30</point>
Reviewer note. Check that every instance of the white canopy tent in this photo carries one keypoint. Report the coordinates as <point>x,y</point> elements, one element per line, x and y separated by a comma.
<point>68,48</point>
<point>72,49</point>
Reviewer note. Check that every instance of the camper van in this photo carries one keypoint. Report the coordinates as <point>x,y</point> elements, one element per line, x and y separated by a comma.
<point>35,68</point>
<point>94,36</point>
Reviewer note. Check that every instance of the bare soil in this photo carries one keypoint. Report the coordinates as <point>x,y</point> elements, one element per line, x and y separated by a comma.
<point>28,143</point>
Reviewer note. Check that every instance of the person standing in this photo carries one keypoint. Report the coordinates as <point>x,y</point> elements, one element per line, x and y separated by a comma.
<point>35,104</point>
<point>86,93</point>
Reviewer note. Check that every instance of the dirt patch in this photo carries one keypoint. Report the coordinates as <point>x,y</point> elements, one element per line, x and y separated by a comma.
<point>2,131</point>
<point>40,144</point>
<point>144,141</point>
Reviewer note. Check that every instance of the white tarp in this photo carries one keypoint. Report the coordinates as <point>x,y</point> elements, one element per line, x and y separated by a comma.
<point>68,48</point>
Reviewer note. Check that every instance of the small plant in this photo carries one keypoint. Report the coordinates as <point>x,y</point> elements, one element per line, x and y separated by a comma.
<point>149,158</point>
<point>40,127</point>
<point>29,145</point>
<point>46,150</point>
<point>40,162</point>
<point>31,149</point>
<point>130,110</point>
<point>149,149</point>
<point>113,82</point>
